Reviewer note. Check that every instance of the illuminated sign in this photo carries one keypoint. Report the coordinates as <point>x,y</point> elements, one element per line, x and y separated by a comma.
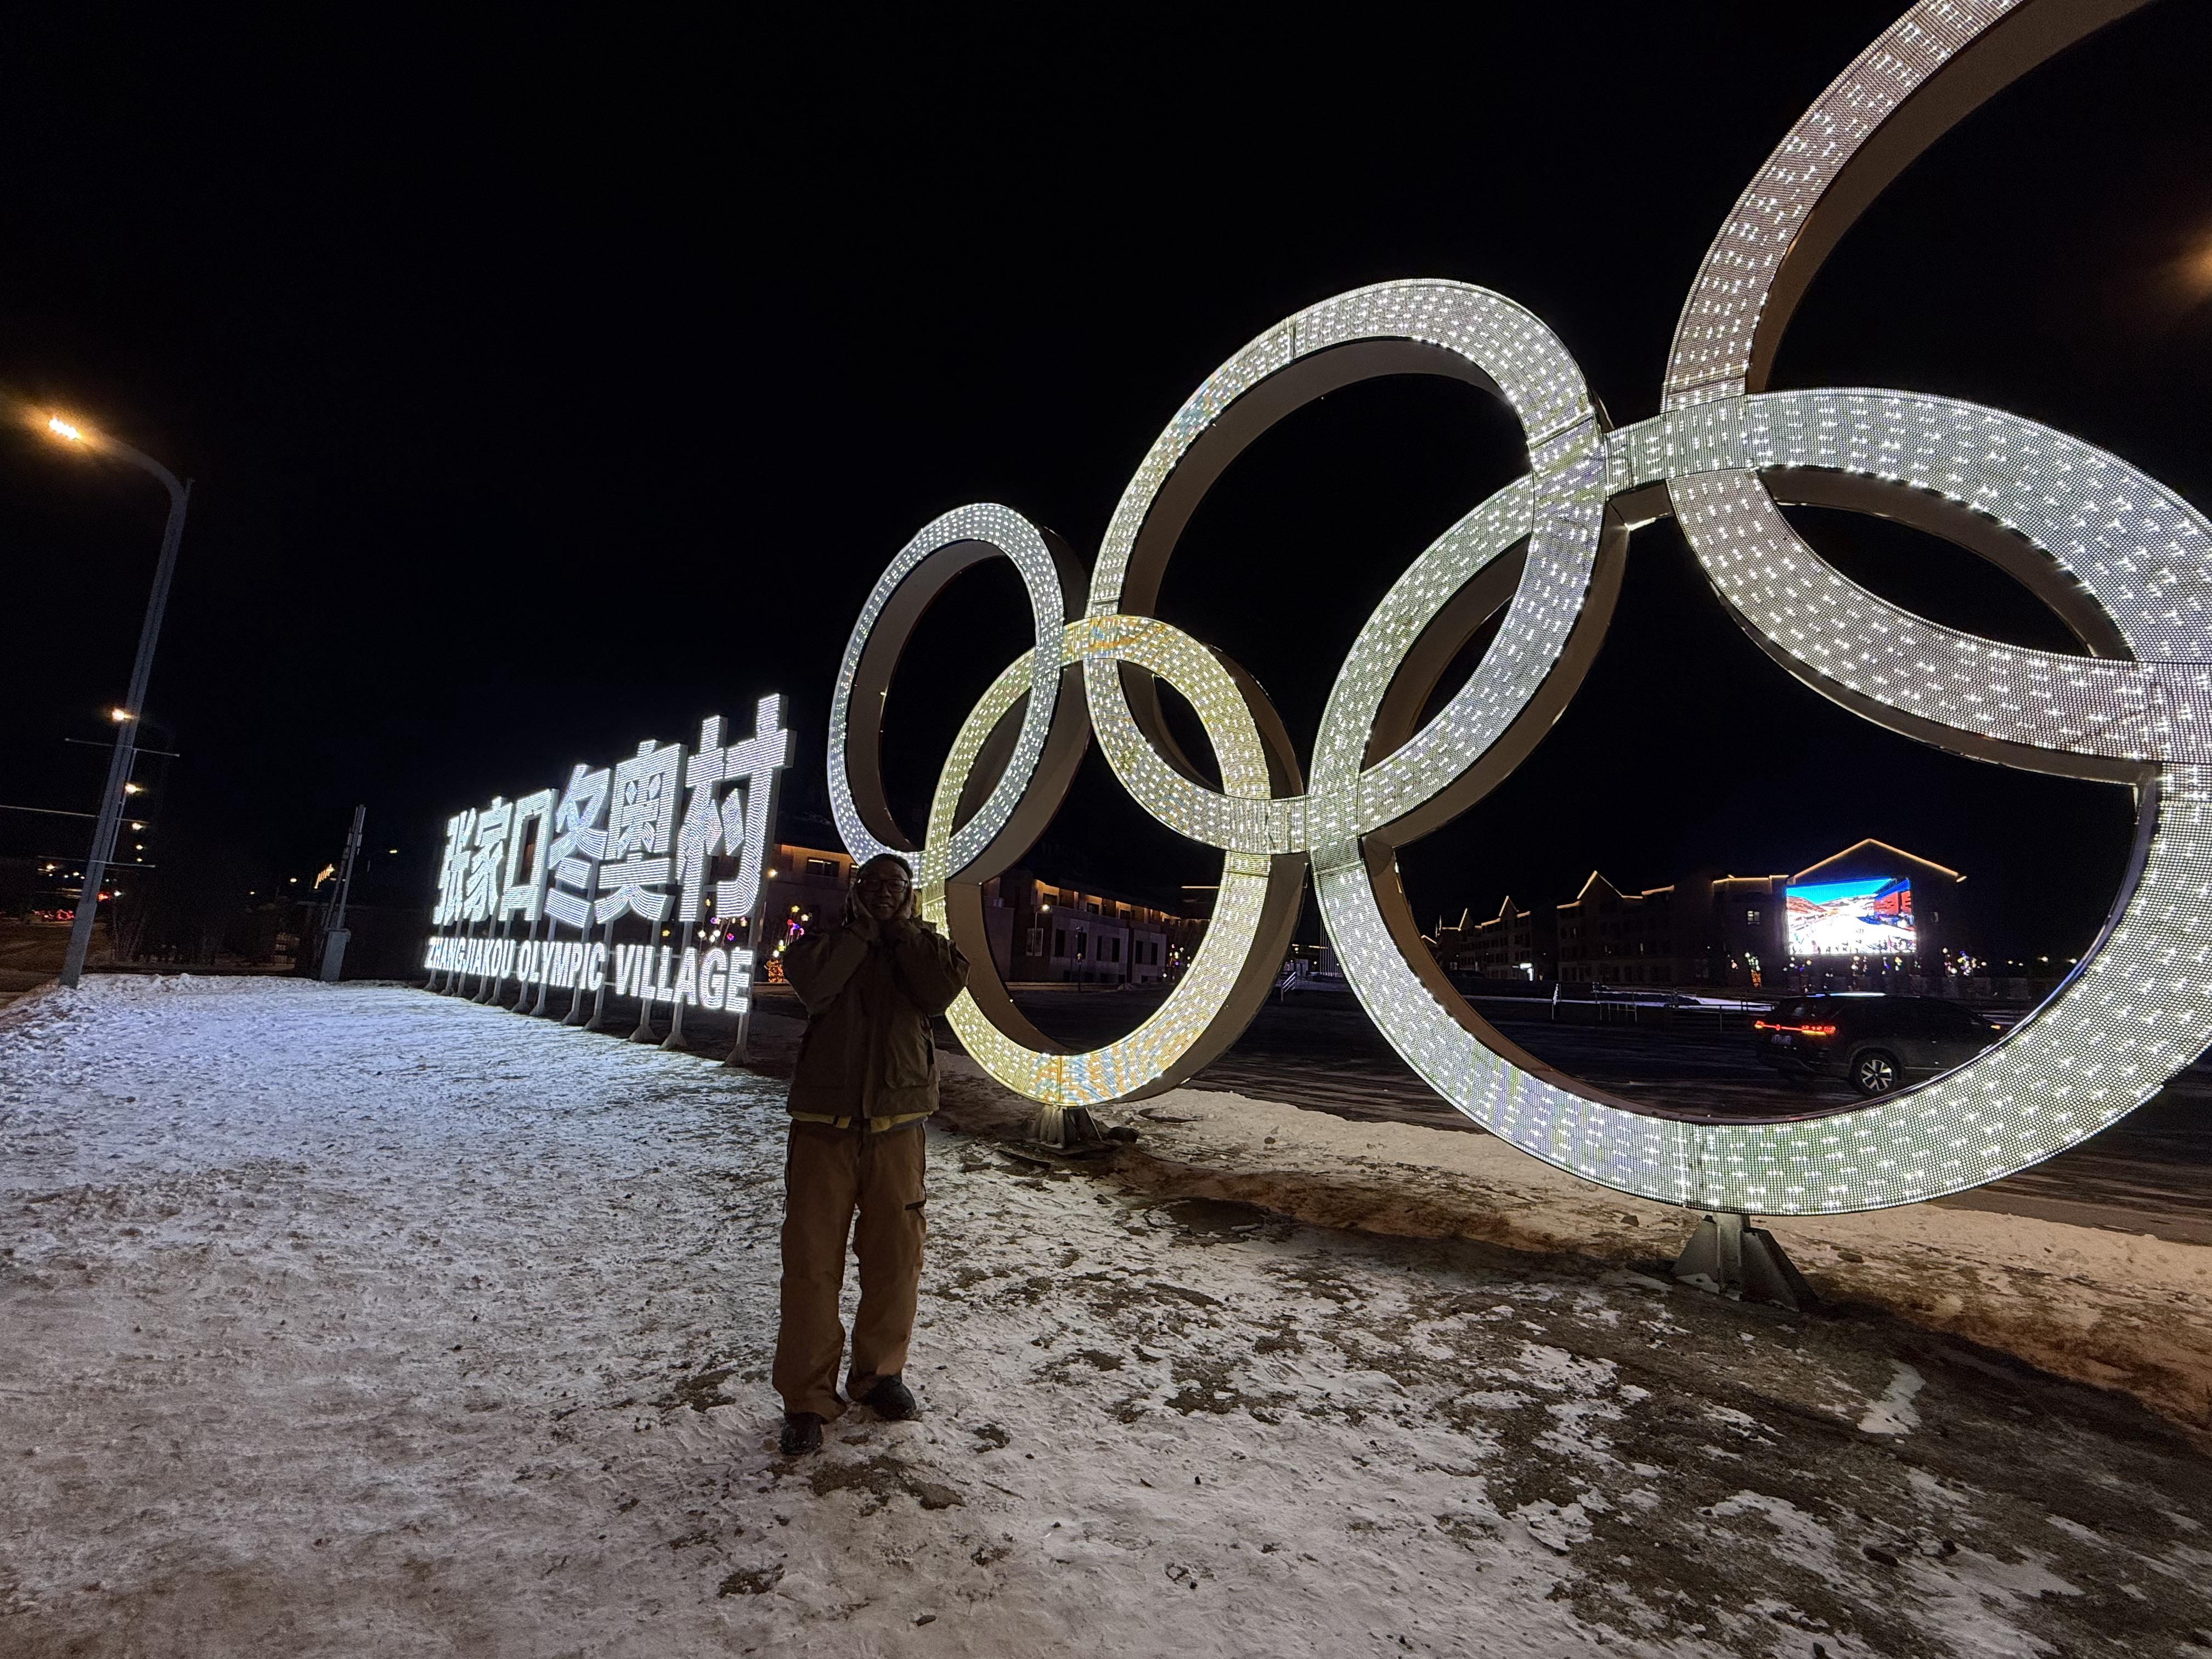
<point>1869,918</point>
<point>2125,562</point>
<point>1852,918</point>
<point>640,839</point>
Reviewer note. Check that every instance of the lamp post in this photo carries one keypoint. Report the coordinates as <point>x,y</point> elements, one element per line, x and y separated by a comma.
<point>336,936</point>
<point>126,718</point>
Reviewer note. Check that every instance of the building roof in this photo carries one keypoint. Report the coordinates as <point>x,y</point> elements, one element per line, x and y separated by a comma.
<point>1598,878</point>
<point>1873,858</point>
<point>1594,878</point>
<point>1105,895</point>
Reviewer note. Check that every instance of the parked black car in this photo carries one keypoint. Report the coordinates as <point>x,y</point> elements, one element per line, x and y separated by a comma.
<point>1874,1043</point>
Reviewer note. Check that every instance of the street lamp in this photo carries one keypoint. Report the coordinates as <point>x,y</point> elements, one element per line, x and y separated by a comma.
<point>126,717</point>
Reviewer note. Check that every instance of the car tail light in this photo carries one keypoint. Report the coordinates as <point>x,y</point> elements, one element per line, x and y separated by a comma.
<point>1805,1030</point>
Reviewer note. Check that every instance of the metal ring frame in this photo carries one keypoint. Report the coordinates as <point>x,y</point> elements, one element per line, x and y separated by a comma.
<point>2125,563</point>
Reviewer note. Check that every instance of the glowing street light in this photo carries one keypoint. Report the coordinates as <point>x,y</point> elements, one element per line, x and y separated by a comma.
<point>126,714</point>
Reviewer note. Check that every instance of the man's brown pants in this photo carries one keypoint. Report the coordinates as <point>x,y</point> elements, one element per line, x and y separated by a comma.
<point>828,1173</point>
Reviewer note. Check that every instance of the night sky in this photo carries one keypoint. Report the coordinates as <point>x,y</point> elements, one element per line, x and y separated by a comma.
<point>550,386</point>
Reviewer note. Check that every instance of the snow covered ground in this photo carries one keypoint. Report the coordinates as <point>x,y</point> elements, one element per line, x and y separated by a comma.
<point>354,1321</point>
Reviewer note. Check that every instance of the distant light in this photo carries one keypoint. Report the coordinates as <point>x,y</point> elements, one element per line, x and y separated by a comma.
<point>119,715</point>
<point>132,789</point>
<point>137,826</point>
<point>295,881</point>
<point>62,428</point>
<point>392,849</point>
<point>2196,272</point>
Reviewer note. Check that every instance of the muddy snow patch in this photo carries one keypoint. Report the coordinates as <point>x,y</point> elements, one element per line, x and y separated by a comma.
<point>1892,1413</point>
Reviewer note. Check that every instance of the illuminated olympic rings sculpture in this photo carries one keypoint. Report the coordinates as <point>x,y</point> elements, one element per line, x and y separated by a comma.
<point>2124,562</point>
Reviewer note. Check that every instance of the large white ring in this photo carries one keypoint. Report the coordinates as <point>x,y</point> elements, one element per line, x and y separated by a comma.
<point>945,547</point>
<point>2137,1010</point>
<point>1452,329</point>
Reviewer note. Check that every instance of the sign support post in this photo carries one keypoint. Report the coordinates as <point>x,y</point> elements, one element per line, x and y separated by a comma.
<point>740,1050</point>
<point>335,937</point>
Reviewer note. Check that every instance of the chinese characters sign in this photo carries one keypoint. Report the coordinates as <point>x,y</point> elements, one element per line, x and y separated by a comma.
<point>641,839</point>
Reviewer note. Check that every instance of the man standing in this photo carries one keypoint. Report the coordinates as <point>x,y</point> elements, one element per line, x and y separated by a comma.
<point>867,1079</point>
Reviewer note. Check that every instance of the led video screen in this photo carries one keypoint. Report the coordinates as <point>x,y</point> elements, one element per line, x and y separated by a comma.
<point>1869,917</point>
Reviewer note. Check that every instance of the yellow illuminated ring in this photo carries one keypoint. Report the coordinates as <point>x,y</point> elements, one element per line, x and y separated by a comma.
<point>1254,908</point>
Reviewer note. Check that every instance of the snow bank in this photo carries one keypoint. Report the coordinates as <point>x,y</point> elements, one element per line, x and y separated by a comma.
<point>2117,1311</point>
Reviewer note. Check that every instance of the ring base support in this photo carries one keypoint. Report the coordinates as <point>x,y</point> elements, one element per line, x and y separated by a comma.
<point>1729,1256</point>
<point>1063,1129</point>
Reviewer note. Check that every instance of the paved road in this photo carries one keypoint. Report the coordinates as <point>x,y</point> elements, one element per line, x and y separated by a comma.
<point>2152,1172</point>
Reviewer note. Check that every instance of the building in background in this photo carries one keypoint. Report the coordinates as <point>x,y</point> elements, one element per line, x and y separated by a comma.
<point>1869,906</point>
<point>1707,929</point>
<point>1611,938</point>
<point>1746,944</point>
<point>1872,915</point>
<point>1039,931</point>
<point>1513,944</point>
<point>802,889</point>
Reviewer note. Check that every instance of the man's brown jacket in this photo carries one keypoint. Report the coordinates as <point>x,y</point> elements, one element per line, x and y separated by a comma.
<point>868,1051</point>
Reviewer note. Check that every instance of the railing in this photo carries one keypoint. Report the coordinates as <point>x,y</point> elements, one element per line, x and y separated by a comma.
<point>1687,1016</point>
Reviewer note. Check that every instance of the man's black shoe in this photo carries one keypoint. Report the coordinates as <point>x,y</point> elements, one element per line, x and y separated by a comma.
<point>891,1399</point>
<point>802,1433</point>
